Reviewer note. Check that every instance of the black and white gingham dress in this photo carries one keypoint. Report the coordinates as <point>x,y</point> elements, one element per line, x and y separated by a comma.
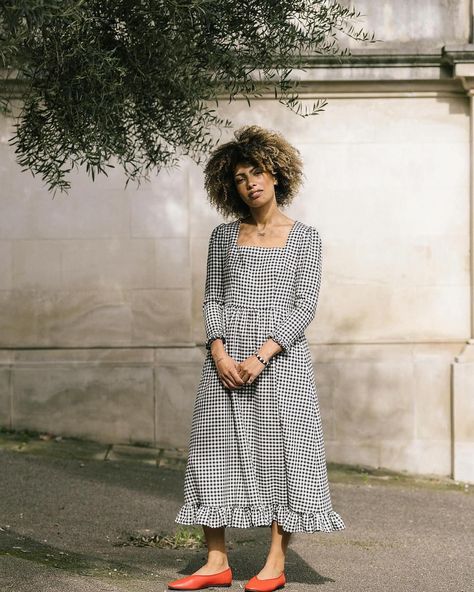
<point>256,454</point>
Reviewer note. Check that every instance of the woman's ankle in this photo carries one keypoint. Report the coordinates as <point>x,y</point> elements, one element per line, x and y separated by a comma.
<point>218,562</point>
<point>275,562</point>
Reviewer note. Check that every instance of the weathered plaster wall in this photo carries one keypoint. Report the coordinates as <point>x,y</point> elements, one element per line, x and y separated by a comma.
<point>101,330</point>
<point>407,24</point>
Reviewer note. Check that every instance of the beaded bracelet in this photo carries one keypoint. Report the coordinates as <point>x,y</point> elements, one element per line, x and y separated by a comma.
<point>259,357</point>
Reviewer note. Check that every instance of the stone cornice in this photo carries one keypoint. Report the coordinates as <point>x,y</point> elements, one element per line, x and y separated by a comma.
<point>460,58</point>
<point>449,68</point>
<point>454,54</point>
<point>377,58</point>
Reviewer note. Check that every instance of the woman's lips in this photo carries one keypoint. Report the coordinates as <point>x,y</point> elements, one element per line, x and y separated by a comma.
<point>255,194</point>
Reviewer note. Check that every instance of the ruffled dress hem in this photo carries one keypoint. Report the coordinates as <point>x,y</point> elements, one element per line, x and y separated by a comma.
<point>253,516</point>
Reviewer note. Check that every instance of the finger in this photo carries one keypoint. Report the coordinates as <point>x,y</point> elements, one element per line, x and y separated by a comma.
<point>236,377</point>
<point>224,380</point>
<point>228,382</point>
<point>231,383</point>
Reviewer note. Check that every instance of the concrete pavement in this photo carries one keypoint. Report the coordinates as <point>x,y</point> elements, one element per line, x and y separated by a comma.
<point>73,515</point>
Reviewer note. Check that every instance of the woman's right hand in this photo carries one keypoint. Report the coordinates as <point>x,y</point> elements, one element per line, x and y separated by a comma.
<point>227,370</point>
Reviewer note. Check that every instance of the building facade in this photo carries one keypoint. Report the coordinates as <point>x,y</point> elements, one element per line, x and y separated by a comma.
<point>101,291</point>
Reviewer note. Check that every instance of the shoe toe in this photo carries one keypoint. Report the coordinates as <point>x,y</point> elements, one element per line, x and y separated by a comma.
<point>255,584</point>
<point>198,581</point>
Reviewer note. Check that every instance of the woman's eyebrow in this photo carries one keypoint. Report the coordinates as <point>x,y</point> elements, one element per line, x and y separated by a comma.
<point>251,170</point>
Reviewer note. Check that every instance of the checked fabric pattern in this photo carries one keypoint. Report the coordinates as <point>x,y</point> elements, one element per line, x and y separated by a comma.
<point>256,454</point>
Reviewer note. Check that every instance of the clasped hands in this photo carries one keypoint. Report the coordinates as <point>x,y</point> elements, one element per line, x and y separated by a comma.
<point>234,375</point>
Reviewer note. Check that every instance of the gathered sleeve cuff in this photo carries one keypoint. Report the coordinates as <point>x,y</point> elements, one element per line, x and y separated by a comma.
<point>213,303</point>
<point>308,281</point>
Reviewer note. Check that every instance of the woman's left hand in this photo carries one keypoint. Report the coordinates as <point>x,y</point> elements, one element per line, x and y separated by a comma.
<point>250,368</point>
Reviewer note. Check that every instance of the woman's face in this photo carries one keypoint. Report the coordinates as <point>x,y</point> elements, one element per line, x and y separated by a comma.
<point>255,185</point>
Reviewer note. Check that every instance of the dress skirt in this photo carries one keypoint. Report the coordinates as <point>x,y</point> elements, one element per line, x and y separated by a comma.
<point>256,454</point>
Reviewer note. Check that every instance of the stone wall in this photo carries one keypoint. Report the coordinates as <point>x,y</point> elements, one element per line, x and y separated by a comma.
<point>101,290</point>
<point>424,24</point>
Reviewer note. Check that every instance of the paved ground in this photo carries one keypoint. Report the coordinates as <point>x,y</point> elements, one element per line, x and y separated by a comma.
<point>65,515</point>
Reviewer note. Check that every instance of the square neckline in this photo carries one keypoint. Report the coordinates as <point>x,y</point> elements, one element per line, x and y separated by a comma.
<point>237,232</point>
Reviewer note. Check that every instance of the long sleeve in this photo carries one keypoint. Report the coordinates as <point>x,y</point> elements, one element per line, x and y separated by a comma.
<point>213,294</point>
<point>308,281</point>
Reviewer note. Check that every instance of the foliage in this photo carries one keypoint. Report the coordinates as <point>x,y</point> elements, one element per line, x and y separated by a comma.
<point>140,80</point>
<point>185,537</point>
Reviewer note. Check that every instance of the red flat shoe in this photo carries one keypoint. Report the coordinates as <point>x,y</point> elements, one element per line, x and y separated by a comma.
<point>257,585</point>
<point>198,582</point>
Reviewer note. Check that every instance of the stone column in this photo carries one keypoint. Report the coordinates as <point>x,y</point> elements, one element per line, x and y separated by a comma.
<point>461,60</point>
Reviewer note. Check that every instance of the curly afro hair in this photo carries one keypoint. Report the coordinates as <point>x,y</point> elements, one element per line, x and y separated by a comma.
<point>253,146</point>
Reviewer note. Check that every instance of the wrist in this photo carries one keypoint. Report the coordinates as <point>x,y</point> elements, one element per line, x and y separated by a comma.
<point>269,349</point>
<point>261,359</point>
<point>217,349</point>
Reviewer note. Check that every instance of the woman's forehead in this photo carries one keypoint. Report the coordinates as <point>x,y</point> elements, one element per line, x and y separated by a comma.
<point>242,167</point>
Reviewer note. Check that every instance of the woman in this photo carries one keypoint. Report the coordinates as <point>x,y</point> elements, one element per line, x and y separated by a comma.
<point>256,454</point>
